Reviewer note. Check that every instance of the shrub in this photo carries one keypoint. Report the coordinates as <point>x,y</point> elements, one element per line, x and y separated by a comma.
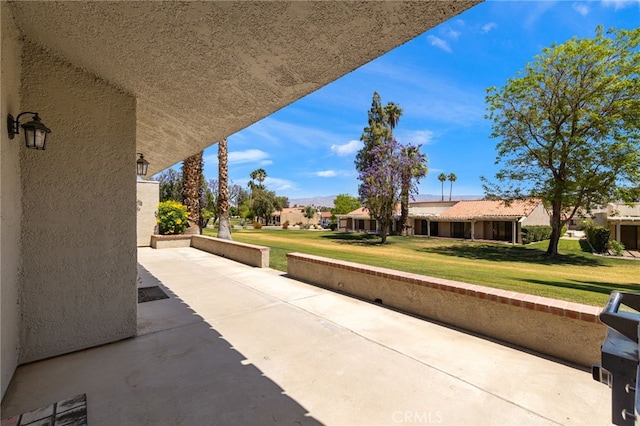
<point>305,226</point>
<point>598,237</point>
<point>172,218</point>
<point>285,225</point>
<point>257,225</point>
<point>531,234</point>
<point>616,247</point>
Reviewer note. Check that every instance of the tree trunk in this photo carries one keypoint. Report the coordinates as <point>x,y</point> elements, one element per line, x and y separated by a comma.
<point>224,228</point>
<point>556,227</point>
<point>383,232</point>
<point>192,189</point>
<point>404,211</point>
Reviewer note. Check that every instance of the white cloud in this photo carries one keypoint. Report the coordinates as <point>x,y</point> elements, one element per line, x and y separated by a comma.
<point>581,8</point>
<point>249,156</point>
<point>415,137</point>
<point>452,34</point>
<point>439,43</point>
<point>488,27</point>
<point>346,149</point>
<point>277,184</point>
<point>326,173</point>
<point>241,157</point>
<point>620,4</point>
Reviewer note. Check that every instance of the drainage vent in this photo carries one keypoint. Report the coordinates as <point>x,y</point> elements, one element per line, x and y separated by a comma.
<point>149,294</point>
<point>379,301</point>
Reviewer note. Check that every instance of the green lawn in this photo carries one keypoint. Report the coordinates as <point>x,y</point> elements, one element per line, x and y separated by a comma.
<point>575,275</point>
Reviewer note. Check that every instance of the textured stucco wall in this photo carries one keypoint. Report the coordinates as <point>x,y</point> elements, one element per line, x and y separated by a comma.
<point>539,216</point>
<point>148,197</point>
<point>79,211</point>
<point>10,208</point>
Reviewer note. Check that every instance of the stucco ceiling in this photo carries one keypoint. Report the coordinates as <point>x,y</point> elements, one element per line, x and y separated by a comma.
<point>203,70</point>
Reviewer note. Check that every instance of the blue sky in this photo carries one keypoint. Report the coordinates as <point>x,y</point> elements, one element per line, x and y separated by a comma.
<point>439,80</point>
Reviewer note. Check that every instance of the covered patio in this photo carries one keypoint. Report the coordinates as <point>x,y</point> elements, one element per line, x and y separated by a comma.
<point>240,345</point>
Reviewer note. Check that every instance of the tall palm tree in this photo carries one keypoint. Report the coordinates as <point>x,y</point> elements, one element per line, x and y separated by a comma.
<point>452,178</point>
<point>417,170</point>
<point>393,113</point>
<point>224,227</point>
<point>192,190</point>
<point>442,178</point>
<point>260,175</point>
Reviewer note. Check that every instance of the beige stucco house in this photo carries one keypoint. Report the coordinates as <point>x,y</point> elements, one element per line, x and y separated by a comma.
<point>484,220</point>
<point>294,215</point>
<point>478,219</point>
<point>360,220</point>
<point>623,222</point>
<point>165,79</point>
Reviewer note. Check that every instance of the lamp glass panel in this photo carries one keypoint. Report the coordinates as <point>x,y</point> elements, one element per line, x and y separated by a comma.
<point>40,138</point>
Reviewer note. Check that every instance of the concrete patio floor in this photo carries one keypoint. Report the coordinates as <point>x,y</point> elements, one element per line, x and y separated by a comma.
<point>236,345</point>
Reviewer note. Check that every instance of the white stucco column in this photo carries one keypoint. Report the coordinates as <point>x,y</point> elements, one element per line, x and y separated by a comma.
<point>514,234</point>
<point>618,231</point>
<point>473,230</point>
<point>78,229</point>
<point>428,228</point>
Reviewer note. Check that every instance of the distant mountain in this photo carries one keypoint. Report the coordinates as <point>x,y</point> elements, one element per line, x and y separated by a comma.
<point>327,201</point>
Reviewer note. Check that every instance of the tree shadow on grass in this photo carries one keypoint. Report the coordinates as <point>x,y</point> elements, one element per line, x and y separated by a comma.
<point>355,239</point>
<point>588,286</point>
<point>509,253</point>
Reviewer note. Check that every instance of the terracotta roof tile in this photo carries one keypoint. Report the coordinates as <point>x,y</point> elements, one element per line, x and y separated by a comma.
<point>491,208</point>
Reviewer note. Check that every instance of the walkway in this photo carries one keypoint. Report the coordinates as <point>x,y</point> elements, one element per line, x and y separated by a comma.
<point>235,345</point>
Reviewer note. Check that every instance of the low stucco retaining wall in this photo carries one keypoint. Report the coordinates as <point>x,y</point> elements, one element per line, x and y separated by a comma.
<point>566,330</point>
<point>170,241</point>
<point>248,254</point>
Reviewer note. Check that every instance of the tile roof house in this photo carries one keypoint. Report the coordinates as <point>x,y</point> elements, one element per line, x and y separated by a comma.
<point>477,219</point>
<point>360,220</point>
<point>623,222</point>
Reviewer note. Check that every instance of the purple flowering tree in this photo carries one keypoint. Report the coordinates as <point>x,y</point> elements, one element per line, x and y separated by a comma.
<point>382,181</point>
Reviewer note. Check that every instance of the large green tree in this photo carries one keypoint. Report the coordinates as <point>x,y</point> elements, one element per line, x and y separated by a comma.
<point>345,203</point>
<point>263,203</point>
<point>170,182</point>
<point>569,126</point>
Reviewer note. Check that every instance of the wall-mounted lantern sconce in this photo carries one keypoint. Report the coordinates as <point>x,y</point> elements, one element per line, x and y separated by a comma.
<point>141,166</point>
<point>35,133</point>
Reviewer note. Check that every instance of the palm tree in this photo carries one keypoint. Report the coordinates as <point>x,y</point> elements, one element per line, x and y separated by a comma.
<point>442,177</point>
<point>452,178</point>
<point>260,175</point>
<point>416,170</point>
<point>393,113</point>
<point>192,190</point>
<point>224,227</point>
